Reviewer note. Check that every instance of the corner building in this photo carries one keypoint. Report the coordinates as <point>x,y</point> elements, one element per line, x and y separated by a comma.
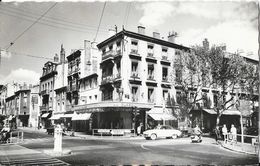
<point>135,81</point>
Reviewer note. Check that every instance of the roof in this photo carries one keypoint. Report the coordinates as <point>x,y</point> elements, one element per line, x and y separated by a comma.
<point>124,32</point>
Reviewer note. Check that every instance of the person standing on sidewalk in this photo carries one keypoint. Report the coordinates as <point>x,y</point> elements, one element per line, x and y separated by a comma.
<point>233,131</point>
<point>217,133</point>
<point>224,132</point>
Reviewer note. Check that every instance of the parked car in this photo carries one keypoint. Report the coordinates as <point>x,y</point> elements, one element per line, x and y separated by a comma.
<point>164,131</point>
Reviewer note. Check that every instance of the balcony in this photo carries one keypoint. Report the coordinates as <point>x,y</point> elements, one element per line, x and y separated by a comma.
<point>150,58</point>
<point>165,60</point>
<point>134,98</point>
<point>108,55</point>
<point>150,78</point>
<point>45,92</point>
<point>107,79</point>
<point>135,79</point>
<point>44,108</point>
<point>150,100</point>
<point>134,54</point>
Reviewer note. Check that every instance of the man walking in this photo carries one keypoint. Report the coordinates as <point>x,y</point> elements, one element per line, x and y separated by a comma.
<point>224,132</point>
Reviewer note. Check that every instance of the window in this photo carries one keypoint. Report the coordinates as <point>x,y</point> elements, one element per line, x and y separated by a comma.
<point>110,47</point>
<point>90,98</point>
<point>165,95</point>
<point>107,94</point>
<point>150,50</point>
<point>150,71</point>
<point>104,51</point>
<point>134,93</point>
<point>215,99</point>
<point>96,97</point>
<point>118,45</point>
<point>165,74</point>
<point>164,52</point>
<point>192,95</point>
<point>150,95</point>
<point>134,69</point>
<point>178,97</point>
<point>178,76</point>
<point>134,46</point>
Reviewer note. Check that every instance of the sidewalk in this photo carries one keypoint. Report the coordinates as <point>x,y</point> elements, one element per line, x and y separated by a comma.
<point>18,155</point>
<point>32,129</point>
<point>239,147</point>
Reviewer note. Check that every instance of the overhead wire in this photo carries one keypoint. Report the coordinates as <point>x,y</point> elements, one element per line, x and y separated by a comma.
<point>50,25</point>
<point>48,18</point>
<point>127,14</point>
<point>100,20</point>
<point>12,43</point>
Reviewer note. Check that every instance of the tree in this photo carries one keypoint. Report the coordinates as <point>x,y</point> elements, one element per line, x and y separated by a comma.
<point>191,74</point>
<point>209,68</point>
<point>227,72</point>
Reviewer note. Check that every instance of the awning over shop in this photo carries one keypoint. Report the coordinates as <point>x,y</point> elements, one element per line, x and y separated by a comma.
<point>227,112</point>
<point>161,114</point>
<point>84,116</point>
<point>56,116</point>
<point>67,115</point>
<point>45,115</point>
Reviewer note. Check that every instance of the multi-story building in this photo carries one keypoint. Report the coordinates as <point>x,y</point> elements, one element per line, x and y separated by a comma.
<point>47,93</point>
<point>135,71</point>
<point>18,105</point>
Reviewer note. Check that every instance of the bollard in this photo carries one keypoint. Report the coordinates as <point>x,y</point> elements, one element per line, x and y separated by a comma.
<point>10,137</point>
<point>22,136</point>
<point>58,139</point>
<point>17,137</point>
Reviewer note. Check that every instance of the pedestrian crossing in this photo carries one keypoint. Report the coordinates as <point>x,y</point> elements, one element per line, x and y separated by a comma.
<point>35,161</point>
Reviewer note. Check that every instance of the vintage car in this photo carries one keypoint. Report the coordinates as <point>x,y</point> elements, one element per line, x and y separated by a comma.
<point>164,131</point>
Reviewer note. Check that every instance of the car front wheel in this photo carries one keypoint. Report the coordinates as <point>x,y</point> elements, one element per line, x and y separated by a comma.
<point>174,136</point>
<point>153,136</point>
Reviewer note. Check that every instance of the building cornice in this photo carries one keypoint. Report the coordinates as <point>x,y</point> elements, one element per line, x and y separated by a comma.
<point>142,37</point>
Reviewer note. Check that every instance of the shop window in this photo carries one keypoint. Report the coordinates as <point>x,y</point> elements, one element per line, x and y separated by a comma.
<point>107,95</point>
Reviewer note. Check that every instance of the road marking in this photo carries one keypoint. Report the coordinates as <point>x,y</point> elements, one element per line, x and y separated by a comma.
<point>142,146</point>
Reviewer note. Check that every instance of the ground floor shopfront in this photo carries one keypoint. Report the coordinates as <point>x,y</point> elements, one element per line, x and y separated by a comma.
<point>206,119</point>
<point>119,115</point>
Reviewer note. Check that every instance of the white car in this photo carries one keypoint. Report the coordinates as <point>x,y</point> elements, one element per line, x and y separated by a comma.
<point>162,132</point>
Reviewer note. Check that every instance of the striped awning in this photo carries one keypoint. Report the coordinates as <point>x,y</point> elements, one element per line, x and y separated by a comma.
<point>45,115</point>
<point>161,114</point>
<point>56,116</point>
<point>84,116</point>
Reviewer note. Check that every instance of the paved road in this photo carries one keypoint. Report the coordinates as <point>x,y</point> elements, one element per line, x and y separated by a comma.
<point>140,151</point>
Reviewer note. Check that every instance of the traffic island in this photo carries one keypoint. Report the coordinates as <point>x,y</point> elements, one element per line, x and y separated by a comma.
<point>53,153</point>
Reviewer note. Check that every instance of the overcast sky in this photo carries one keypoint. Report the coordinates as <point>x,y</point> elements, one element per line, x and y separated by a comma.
<point>70,23</point>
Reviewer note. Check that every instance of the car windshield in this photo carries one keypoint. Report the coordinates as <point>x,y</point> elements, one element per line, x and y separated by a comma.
<point>164,127</point>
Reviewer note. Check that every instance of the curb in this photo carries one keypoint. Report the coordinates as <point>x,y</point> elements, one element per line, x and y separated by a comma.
<point>111,138</point>
<point>235,150</point>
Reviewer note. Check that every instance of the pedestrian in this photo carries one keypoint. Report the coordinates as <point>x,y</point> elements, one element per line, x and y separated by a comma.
<point>224,132</point>
<point>217,133</point>
<point>139,129</point>
<point>233,132</point>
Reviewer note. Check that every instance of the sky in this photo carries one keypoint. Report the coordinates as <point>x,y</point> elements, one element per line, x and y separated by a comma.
<point>233,23</point>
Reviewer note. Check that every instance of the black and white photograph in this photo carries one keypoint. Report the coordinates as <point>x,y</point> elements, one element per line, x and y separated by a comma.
<point>129,82</point>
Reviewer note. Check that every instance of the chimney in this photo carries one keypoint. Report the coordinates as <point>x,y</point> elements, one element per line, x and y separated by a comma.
<point>62,54</point>
<point>111,32</point>
<point>141,30</point>
<point>156,35</point>
<point>172,36</point>
<point>56,58</point>
<point>205,44</point>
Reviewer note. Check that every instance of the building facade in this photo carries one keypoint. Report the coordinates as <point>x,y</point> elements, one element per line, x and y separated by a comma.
<point>135,81</point>
<point>47,93</point>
